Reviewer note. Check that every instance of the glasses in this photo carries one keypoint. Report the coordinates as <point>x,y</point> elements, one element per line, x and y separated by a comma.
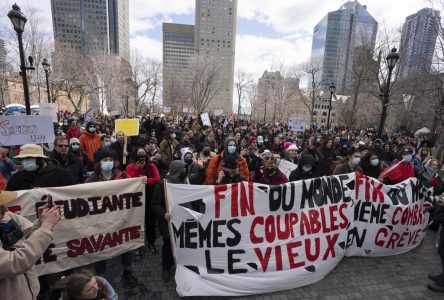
<point>63,146</point>
<point>267,158</point>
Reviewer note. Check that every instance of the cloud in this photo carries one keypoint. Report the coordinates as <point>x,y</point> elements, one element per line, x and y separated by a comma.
<point>147,47</point>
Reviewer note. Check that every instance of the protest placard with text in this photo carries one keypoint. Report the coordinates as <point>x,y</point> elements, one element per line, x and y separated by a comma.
<point>23,129</point>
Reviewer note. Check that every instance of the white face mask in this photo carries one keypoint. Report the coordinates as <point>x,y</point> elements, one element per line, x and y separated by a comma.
<point>173,136</point>
<point>75,147</point>
<point>30,164</point>
<point>374,162</point>
<point>356,160</point>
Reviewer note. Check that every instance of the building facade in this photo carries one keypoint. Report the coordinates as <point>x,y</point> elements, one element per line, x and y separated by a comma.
<point>178,56</point>
<point>335,39</point>
<point>418,40</point>
<point>215,41</point>
<point>85,25</point>
<point>2,51</point>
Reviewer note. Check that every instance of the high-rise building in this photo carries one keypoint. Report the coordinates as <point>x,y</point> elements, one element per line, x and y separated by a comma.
<point>336,38</point>
<point>2,51</point>
<point>86,24</point>
<point>418,40</point>
<point>215,41</point>
<point>178,56</point>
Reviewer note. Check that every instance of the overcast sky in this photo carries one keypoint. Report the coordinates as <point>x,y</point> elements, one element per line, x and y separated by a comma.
<point>268,31</point>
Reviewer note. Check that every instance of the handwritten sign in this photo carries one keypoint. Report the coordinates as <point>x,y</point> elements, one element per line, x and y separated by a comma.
<point>296,124</point>
<point>129,126</point>
<point>49,109</point>
<point>286,167</point>
<point>20,130</point>
<point>205,119</point>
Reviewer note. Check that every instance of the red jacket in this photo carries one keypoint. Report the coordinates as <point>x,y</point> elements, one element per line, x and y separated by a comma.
<point>150,171</point>
<point>72,133</point>
<point>397,173</point>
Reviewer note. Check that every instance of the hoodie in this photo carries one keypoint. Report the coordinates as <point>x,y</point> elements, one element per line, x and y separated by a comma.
<point>176,167</point>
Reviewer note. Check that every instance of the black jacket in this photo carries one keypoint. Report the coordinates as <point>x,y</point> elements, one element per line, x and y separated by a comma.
<point>71,164</point>
<point>299,174</point>
<point>51,176</point>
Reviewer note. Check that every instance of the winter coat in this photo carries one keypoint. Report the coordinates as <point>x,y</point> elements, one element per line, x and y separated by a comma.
<point>7,166</point>
<point>18,279</point>
<point>118,149</point>
<point>272,179</point>
<point>72,164</point>
<point>215,167</point>
<point>90,142</point>
<point>50,176</point>
<point>72,133</point>
<point>328,156</point>
<point>300,174</point>
<point>167,148</point>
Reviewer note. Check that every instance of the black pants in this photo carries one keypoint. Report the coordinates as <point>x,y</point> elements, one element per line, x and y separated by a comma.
<point>126,260</point>
<point>150,223</point>
<point>167,254</point>
<point>441,247</point>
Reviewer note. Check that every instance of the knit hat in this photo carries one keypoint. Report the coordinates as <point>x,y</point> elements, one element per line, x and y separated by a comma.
<point>292,147</point>
<point>74,141</point>
<point>286,145</point>
<point>102,153</point>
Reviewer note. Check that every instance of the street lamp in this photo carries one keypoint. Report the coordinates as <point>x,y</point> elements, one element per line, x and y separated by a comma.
<point>18,21</point>
<point>332,91</point>
<point>391,59</point>
<point>46,66</point>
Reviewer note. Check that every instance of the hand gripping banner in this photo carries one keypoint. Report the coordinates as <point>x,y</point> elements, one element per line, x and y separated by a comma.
<point>253,238</point>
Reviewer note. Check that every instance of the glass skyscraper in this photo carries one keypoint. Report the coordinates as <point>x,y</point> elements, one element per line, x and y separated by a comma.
<point>83,24</point>
<point>418,41</point>
<point>336,38</point>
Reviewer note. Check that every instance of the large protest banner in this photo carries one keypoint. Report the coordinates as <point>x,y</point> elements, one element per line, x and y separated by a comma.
<point>99,221</point>
<point>255,239</point>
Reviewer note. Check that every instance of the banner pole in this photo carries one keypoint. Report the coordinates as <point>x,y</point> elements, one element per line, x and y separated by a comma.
<point>170,228</point>
<point>125,147</point>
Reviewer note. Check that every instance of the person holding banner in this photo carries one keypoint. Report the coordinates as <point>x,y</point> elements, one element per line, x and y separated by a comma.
<point>269,172</point>
<point>119,147</point>
<point>105,169</point>
<point>351,164</point>
<point>229,173</point>
<point>22,244</point>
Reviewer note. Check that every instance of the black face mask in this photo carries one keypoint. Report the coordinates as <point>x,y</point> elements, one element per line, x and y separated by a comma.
<point>10,233</point>
<point>188,161</point>
<point>206,152</point>
<point>141,157</point>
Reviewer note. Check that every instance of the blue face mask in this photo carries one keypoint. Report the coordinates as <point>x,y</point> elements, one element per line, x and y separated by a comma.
<point>107,144</point>
<point>374,162</point>
<point>106,165</point>
<point>30,164</point>
<point>231,149</point>
<point>407,158</point>
<point>356,160</point>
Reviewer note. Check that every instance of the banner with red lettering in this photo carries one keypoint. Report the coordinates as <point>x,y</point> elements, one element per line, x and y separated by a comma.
<point>98,221</point>
<point>252,239</point>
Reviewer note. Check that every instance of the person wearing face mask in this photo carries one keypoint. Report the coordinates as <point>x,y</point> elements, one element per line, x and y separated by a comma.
<point>177,173</point>
<point>74,148</point>
<point>430,177</point>
<point>260,144</point>
<point>153,154</point>
<point>269,172</point>
<point>306,169</point>
<point>372,166</point>
<point>73,130</point>
<point>168,145</point>
<point>195,167</point>
<point>140,168</point>
<point>400,170</point>
<point>105,169</point>
<point>90,140</point>
<point>215,166</point>
<point>105,140</point>
<point>229,173</point>
<point>38,171</point>
<point>351,164</point>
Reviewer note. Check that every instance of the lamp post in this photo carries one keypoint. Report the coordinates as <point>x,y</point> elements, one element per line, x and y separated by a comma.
<point>332,91</point>
<point>18,21</point>
<point>391,59</point>
<point>46,66</point>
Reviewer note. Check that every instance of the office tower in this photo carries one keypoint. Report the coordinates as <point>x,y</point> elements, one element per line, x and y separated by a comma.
<point>178,55</point>
<point>418,40</point>
<point>86,24</point>
<point>337,38</point>
<point>215,41</point>
<point>2,51</point>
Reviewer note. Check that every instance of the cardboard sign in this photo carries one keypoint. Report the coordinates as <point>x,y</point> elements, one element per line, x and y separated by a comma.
<point>89,115</point>
<point>129,126</point>
<point>98,221</point>
<point>297,124</point>
<point>286,167</point>
<point>218,112</point>
<point>256,239</point>
<point>23,129</point>
<point>50,110</point>
<point>205,119</point>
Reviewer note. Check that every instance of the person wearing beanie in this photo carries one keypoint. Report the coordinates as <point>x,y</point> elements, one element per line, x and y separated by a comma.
<point>215,166</point>
<point>306,169</point>
<point>230,172</point>
<point>74,148</point>
<point>291,153</point>
<point>269,172</point>
<point>90,140</point>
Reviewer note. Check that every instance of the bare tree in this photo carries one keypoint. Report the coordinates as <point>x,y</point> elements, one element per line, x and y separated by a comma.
<point>252,98</point>
<point>242,82</point>
<point>205,84</point>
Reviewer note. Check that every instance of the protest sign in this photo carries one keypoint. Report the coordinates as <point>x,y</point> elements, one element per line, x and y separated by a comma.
<point>99,221</point>
<point>49,109</point>
<point>23,129</point>
<point>129,126</point>
<point>89,115</point>
<point>255,239</point>
<point>167,110</point>
<point>205,119</point>
<point>296,124</point>
<point>218,112</point>
<point>286,167</point>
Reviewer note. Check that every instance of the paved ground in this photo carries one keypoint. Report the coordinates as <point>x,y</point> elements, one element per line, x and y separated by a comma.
<point>397,277</point>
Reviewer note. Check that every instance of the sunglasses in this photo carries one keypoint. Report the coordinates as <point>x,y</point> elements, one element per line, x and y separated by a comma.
<point>267,158</point>
<point>63,146</point>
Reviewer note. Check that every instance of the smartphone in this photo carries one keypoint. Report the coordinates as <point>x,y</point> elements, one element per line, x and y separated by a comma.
<point>50,204</point>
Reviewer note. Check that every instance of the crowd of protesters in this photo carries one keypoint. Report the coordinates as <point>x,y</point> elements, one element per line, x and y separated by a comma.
<point>183,150</point>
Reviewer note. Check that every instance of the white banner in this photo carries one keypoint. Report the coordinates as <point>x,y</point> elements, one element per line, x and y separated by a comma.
<point>99,221</point>
<point>255,239</point>
<point>23,129</point>
<point>297,124</point>
<point>205,119</point>
<point>50,110</point>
